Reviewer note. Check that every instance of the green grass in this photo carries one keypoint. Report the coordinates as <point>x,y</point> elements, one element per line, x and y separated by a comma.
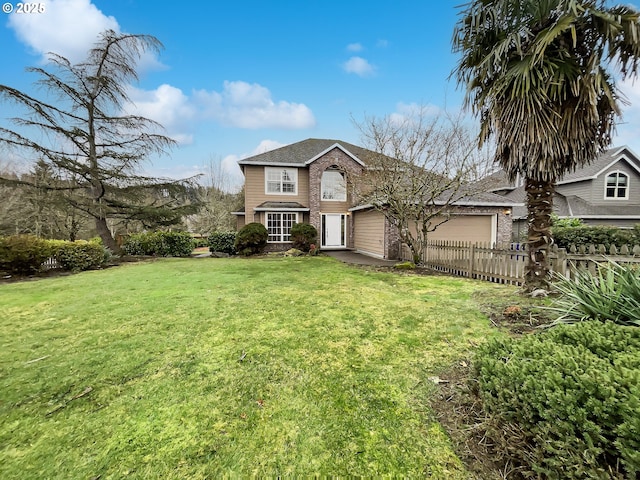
<point>200,368</point>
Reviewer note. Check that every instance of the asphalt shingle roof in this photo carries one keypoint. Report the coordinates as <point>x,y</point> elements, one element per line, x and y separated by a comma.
<point>301,152</point>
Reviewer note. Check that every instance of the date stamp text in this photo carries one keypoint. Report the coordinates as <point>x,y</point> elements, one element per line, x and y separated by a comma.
<point>23,8</point>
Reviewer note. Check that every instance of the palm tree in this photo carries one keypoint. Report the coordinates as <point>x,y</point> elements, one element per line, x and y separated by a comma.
<point>539,75</point>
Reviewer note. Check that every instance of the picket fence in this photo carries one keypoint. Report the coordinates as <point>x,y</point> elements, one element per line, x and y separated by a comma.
<point>507,264</point>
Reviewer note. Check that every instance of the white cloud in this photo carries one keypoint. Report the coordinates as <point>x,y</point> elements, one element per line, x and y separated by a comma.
<point>359,66</point>
<point>355,47</point>
<point>382,43</point>
<point>245,105</point>
<point>230,165</point>
<point>166,105</point>
<point>628,130</point>
<point>410,111</point>
<point>67,27</point>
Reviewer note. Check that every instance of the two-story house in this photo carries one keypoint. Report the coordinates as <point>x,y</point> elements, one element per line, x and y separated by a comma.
<point>315,181</point>
<point>605,192</point>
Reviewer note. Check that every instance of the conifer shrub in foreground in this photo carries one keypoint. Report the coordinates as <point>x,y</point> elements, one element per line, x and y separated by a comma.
<point>565,404</point>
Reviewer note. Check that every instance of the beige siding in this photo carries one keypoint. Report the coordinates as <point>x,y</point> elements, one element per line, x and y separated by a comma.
<point>254,184</point>
<point>334,207</point>
<point>368,229</point>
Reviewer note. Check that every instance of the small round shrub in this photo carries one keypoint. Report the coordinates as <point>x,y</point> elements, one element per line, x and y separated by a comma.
<point>251,239</point>
<point>565,404</point>
<point>80,255</point>
<point>23,254</point>
<point>303,235</point>
<point>222,242</point>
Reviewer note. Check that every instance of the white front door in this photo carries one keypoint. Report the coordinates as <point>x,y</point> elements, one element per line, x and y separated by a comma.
<point>333,230</point>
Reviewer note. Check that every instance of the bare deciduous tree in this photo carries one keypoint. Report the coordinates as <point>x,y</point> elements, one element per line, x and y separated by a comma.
<point>217,199</point>
<point>423,166</point>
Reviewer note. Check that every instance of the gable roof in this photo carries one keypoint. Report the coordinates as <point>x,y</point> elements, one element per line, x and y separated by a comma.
<point>301,154</point>
<point>601,164</point>
<point>498,181</point>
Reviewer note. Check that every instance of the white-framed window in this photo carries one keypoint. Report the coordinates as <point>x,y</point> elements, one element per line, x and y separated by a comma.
<point>334,186</point>
<point>281,181</point>
<point>616,186</point>
<point>279,226</point>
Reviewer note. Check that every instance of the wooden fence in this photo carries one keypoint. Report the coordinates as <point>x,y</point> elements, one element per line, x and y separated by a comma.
<point>507,264</point>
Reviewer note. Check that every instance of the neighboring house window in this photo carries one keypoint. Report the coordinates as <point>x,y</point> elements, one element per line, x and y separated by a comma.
<point>334,186</point>
<point>282,181</point>
<point>279,226</point>
<point>617,185</point>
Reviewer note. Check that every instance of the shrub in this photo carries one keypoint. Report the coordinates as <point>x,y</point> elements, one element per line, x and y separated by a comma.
<point>565,236</point>
<point>565,404</point>
<point>162,244</point>
<point>222,242</point>
<point>23,254</point>
<point>251,239</point>
<point>613,293</point>
<point>176,244</point>
<point>80,255</point>
<point>303,235</point>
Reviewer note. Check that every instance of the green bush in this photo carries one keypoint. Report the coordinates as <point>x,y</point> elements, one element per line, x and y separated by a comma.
<point>80,255</point>
<point>613,293</point>
<point>251,239</point>
<point>23,254</point>
<point>565,236</point>
<point>303,235</point>
<point>565,404</point>
<point>161,244</point>
<point>222,242</point>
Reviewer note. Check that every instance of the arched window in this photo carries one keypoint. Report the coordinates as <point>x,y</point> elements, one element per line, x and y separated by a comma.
<point>617,185</point>
<point>334,185</point>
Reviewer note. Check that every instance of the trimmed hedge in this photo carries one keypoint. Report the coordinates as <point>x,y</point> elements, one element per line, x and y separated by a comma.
<point>565,236</point>
<point>160,244</point>
<point>251,239</point>
<point>23,254</point>
<point>303,235</point>
<point>80,255</point>
<point>565,404</point>
<point>222,242</point>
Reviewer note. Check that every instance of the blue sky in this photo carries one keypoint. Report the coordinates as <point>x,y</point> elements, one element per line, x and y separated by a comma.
<point>238,78</point>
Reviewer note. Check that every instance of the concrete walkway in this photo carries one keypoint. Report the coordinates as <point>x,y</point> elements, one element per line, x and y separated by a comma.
<point>348,256</point>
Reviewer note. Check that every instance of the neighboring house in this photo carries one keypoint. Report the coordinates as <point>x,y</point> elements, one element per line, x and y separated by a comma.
<point>605,192</point>
<point>315,181</point>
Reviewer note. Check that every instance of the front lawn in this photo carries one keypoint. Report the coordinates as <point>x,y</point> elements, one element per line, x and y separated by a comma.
<point>201,368</point>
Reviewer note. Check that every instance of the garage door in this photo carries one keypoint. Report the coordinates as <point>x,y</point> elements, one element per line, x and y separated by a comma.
<point>368,232</point>
<point>467,228</point>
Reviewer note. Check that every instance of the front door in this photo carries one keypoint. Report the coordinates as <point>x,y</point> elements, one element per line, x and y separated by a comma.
<point>333,230</point>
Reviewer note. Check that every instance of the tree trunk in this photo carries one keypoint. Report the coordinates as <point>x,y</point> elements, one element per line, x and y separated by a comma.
<point>105,234</point>
<point>539,239</point>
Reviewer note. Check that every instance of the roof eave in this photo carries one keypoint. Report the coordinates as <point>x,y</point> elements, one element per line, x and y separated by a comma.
<point>327,150</point>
